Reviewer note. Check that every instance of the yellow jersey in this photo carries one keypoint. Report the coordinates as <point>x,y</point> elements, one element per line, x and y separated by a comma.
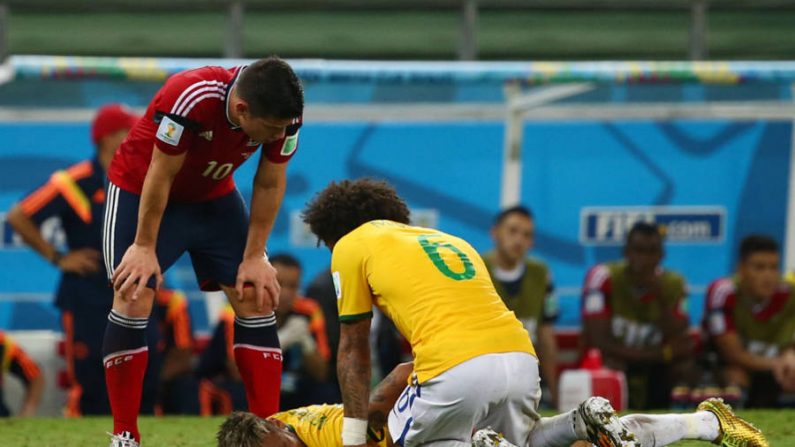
<point>435,288</point>
<point>321,426</point>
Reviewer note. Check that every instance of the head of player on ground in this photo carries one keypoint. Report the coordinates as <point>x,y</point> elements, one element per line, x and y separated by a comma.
<point>513,233</point>
<point>644,252</point>
<point>758,267</point>
<point>243,429</point>
<point>267,98</point>
<point>344,206</point>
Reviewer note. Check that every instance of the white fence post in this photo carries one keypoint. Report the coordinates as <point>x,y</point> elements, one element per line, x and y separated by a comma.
<point>233,45</point>
<point>3,32</point>
<point>698,31</point>
<point>468,40</point>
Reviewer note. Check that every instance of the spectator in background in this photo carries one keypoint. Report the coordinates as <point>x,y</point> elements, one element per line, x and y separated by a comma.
<point>321,289</point>
<point>633,311</point>
<point>76,196</point>
<point>750,319</point>
<point>525,285</point>
<point>177,393</point>
<point>15,361</point>
<point>302,334</point>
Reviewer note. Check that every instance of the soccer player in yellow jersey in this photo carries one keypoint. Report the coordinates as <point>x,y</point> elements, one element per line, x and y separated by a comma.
<point>474,364</point>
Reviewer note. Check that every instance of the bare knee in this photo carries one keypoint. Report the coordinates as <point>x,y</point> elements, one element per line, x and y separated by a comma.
<point>247,307</point>
<point>140,308</point>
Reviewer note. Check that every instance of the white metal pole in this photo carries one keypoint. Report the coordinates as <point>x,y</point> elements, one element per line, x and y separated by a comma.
<point>233,45</point>
<point>468,39</point>
<point>698,30</point>
<point>518,106</point>
<point>511,187</point>
<point>4,20</point>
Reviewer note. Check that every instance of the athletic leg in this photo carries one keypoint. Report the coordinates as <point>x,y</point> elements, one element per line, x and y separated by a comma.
<point>257,353</point>
<point>714,422</point>
<point>216,258</point>
<point>593,420</point>
<point>664,429</point>
<point>124,347</point>
<point>558,431</point>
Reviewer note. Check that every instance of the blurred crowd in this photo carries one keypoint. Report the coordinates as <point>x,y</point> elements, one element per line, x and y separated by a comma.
<point>634,315</point>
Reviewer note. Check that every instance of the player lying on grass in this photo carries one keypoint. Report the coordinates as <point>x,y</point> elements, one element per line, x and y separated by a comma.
<point>321,425</point>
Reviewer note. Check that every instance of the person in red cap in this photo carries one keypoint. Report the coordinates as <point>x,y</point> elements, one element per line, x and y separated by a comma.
<point>76,196</point>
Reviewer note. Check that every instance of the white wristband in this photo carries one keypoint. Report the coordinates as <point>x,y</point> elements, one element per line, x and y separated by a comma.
<point>354,431</point>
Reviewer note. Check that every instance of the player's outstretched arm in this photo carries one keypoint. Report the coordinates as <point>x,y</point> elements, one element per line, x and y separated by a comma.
<point>140,261</point>
<point>384,396</point>
<point>270,183</point>
<point>353,371</point>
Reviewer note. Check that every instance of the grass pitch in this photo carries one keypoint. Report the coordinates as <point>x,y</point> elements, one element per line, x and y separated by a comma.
<point>200,432</point>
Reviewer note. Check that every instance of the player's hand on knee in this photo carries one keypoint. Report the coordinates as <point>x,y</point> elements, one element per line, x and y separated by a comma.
<point>261,275</point>
<point>137,266</point>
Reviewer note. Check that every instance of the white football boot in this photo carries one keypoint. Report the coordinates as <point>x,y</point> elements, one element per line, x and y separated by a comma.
<point>486,437</point>
<point>603,426</point>
<point>123,439</point>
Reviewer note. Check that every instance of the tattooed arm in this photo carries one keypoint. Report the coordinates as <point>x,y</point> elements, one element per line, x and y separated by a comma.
<point>353,367</point>
<point>387,392</point>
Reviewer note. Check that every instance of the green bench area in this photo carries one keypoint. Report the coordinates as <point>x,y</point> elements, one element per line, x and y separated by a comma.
<point>321,30</point>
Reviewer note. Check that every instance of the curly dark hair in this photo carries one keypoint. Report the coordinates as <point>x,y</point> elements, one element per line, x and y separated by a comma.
<point>343,206</point>
<point>242,429</point>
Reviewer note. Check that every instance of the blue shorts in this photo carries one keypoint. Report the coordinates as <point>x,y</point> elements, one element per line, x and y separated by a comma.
<point>213,233</point>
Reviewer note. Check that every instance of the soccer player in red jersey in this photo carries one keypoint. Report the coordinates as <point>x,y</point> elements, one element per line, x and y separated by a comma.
<point>633,311</point>
<point>750,319</point>
<point>171,191</point>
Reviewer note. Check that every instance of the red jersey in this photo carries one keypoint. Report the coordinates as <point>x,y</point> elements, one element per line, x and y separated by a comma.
<point>764,327</point>
<point>190,115</point>
<point>634,314</point>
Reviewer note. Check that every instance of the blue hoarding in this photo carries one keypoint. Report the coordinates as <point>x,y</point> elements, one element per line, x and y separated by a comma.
<point>709,182</point>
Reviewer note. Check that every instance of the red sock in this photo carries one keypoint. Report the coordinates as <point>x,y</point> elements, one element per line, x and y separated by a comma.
<point>262,375</point>
<point>124,375</point>
<point>126,356</point>
<point>259,360</point>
